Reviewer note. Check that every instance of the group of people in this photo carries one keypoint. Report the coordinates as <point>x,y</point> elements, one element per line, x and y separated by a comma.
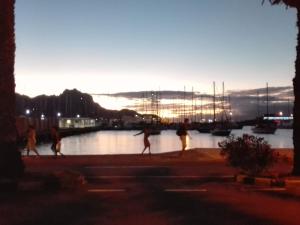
<point>55,138</point>
<point>181,132</point>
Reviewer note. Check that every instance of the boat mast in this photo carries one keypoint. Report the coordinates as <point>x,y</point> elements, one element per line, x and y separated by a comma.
<point>267,100</point>
<point>157,109</point>
<point>201,109</point>
<point>184,103</point>
<point>258,112</point>
<point>214,101</point>
<point>223,100</point>
<point>229,107</point>
<point>289,111</point>
<point>156,103</point>
<point>192,116</point>
<point>143,99</point>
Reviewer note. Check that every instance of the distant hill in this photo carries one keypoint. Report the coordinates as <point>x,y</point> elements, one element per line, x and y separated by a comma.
<point>70,103</point>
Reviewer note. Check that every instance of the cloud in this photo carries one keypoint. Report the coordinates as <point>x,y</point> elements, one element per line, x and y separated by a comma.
<point>245,104</point>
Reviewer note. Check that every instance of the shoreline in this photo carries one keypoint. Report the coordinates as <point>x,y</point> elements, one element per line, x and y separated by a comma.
<point>190,156</point>
<point>280,150</point>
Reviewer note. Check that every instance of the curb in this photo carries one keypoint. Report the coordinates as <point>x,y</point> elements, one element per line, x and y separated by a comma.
<point>262,181</point>
<point>292,183</point>
<point>293,186</point>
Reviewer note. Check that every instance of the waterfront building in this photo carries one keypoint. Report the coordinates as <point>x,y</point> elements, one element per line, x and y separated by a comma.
<point>77,122</point>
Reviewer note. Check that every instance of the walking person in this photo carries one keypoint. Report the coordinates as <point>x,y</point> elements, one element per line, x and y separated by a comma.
<point>31,141</point>
<point>182,133</point>
<point>56,141</point>
<point>146,133</point>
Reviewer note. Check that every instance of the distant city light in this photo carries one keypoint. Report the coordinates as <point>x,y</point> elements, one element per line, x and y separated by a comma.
<point>292,115</point>
<point>278,118</point>
<point>58,114</point>
<point>230,113</point>
<point>280,113</point>
<point>78,116</point>
<point>68,121</point>
<point>210,120</point>
<point>27,111</point>
<point>42,117</point>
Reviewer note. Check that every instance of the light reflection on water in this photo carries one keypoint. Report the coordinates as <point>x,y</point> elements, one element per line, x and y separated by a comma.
<point>123,142</point>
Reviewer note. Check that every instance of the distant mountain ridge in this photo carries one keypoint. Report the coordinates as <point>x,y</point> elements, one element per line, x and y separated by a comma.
<point>69,104</point>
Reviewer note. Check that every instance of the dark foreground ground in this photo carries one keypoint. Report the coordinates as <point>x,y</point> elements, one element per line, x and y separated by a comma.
<point>197,188</point>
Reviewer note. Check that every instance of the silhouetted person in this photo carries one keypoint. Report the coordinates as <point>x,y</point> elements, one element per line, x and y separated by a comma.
<point>146,133</point>
<point>182,133</point>
<point>31,140</point>
<point>56,141</point>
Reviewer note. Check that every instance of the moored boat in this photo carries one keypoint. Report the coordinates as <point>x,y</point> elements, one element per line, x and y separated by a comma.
<point>223,127</point>
<point>221,132</point>
<point>264,125</point>
<point>205,127</point>
<point>264,128</point>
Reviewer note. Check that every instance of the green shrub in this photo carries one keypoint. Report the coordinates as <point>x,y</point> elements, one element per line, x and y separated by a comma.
<point>253,155</point>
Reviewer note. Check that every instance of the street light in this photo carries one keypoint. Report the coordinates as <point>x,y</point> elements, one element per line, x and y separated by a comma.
<point>78,116</point>
<point>58,114</point>
<point>27,111</point>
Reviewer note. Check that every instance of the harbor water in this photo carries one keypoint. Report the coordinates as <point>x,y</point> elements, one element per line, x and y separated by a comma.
<point>123,142</point>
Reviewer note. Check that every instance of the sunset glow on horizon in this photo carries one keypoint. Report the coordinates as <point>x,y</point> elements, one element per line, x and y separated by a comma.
<point>109,47</point>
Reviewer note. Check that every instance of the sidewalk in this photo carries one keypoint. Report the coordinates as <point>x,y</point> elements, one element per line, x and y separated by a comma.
<point>132,189</point>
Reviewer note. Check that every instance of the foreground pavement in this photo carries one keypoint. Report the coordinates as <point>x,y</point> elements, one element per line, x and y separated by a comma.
<point>197,188</point>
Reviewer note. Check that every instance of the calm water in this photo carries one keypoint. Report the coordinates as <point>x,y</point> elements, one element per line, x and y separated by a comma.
<point>123,142</point>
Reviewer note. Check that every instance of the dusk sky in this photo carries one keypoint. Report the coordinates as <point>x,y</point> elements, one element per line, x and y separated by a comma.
<point>113,46</point>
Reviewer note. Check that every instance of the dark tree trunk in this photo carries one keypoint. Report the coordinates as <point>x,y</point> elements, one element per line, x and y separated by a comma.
<point>296,81</point>
<point>11,165</point>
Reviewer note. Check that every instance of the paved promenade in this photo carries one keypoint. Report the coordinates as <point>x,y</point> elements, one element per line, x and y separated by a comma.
<point>163,189</point>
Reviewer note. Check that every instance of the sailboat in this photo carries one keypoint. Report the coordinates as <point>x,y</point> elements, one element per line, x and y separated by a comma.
<point>206,127</point>
<point>233,125</point>
<point>222,128</point>
<point>265,126</point>
<point>155,128</point>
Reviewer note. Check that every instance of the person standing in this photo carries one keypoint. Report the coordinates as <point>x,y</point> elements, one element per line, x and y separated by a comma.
<point>56,141</point>
<point>182,133</point>
<point>146,133</point>
<point>31,140</point>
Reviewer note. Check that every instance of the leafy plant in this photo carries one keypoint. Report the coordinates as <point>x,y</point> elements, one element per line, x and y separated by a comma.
<point>253,155</point>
